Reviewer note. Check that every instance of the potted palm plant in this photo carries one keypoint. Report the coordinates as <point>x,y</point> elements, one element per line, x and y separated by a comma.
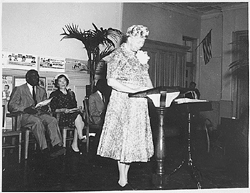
<point>98,43</point>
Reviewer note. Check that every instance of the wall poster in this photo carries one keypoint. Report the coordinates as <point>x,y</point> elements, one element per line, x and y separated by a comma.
<point>7,86</point>
<point>42,82</point>
<point>50,85</point>
<point>77,65</point>
<point>19,80</point>
<point>22,80</point>
<point>19,61</point>
<point>52,64</point>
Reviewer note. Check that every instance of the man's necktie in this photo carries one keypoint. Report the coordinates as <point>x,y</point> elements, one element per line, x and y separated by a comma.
<point>34,95</point>
<point>103,99</point>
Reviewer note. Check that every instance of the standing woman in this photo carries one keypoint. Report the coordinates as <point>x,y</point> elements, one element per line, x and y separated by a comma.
<point>126,135</point>
<point>63,100</point>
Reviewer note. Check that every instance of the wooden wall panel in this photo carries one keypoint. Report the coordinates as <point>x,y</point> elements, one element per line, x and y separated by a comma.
<point>167,63</point>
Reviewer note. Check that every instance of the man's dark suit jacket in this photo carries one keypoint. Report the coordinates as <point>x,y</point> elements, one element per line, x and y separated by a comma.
<point>96,108</point>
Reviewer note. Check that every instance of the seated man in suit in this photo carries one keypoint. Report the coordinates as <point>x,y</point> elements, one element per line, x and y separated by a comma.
<point>98,102</point>
<point>24,100</point>
<point>194,93</point>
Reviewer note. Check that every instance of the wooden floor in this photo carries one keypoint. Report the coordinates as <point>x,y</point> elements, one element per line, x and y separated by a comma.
<point>86,172</point>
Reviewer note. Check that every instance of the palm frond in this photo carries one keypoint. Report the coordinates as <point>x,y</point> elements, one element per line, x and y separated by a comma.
<point>108,50</point>
<point>108,39</point>
<point>115,34</point>
<point>73,31</point>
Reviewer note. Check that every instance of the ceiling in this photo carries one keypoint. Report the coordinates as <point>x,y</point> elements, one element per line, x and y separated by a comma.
<point>205,7</point>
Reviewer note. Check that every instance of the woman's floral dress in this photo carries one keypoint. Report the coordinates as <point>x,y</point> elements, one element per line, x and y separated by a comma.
<point>126,134</point>
<point>68,101</point>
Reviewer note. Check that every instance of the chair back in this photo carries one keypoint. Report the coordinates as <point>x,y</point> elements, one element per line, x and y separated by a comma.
<point>86,110</point>
<point>4,114</point>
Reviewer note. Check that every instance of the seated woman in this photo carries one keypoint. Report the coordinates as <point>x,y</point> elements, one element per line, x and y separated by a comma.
<point>64,101</point>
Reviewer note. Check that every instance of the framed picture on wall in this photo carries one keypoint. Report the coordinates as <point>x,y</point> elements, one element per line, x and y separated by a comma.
<point>50,85</point>
<point>42,82</point>
<point>19,80</point>
<point>7,84</point>
<point>22,80</point>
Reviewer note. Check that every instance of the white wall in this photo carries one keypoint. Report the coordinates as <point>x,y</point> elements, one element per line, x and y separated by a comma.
<point>168,24</point>
<point>165,23</point>
<point>212,82</point>
<point>209,80</point>
<point>35,28</point>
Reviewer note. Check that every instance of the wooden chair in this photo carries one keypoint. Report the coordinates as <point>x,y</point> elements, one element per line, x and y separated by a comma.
<point>29,138</point>
<point>90,127</point>
<point>12,133</point>
<point>67,132</point>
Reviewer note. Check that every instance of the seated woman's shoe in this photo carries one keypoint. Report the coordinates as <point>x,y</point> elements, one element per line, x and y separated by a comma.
<point>128,187</point>
<point>83,139</point>
<point>75,150</point>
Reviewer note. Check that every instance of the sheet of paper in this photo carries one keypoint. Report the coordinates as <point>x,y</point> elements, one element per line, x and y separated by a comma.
<point>74,110</point>
<point>187,100</point>
<point>169,98</point>
<point>43,103</point>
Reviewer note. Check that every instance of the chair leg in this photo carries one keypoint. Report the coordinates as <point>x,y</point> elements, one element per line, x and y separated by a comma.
<point>64,137</point>
<point>3,148</point>
<point>26,146</point>
<point>19,147</point>
<point>13,142</point>
<point>87,139</point>
<point>3,152</point>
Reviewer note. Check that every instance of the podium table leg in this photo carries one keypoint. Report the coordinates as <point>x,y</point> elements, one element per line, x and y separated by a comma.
<point>159,177</point>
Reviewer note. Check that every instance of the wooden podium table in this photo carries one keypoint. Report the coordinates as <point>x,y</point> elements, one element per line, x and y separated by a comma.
<point>162,98</point>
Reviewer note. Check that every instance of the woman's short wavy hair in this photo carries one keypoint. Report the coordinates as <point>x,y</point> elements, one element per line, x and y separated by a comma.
<point>137,31</point>
<point>59,77</point>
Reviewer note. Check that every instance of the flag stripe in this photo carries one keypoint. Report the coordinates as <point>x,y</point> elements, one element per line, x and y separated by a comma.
<point>207,47</point>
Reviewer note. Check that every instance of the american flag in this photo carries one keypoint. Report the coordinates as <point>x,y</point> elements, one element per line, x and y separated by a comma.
<point>206,42</point>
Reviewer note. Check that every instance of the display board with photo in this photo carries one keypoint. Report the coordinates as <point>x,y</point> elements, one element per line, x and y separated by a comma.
<point>7,86</point>
<point>76,65</point>
<point>19,61</point>
<point>52,64</point>
<point>50,87</point>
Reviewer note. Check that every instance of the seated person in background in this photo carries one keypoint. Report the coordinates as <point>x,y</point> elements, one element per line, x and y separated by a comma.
<point>64,101</point>
<point>194,93</point>
<point>6,94</point>
<point>24,100</point>
<point>98,102</point>
<point>97,108</point>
